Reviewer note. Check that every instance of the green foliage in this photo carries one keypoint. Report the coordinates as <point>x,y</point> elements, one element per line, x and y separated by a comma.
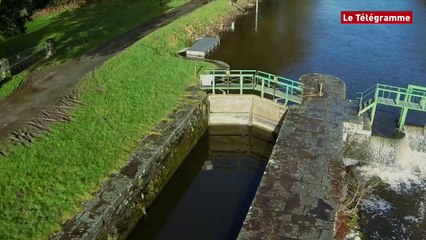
<point>14,14</point>
<point>9,86</point>
<point>57,3</point>
<point>79,30</point>
<point>62,2</point>
<point>43,185</point>
<point>354,218</point>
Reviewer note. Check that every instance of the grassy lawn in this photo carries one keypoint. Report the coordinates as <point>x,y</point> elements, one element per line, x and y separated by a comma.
<point>79,30</point>
<point>11,85</point>
<point>43,185</point>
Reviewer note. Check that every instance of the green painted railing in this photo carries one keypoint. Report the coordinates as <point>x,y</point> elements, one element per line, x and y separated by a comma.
<point>411,98</point>
<point>277,88</point>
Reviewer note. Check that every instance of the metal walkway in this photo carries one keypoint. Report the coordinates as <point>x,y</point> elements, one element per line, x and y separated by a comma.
<point>410,98</point>
<point>279,89</point>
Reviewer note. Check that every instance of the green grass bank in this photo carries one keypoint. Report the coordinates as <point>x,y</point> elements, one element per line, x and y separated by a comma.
<point>80,30</point>
<point>45,184</point>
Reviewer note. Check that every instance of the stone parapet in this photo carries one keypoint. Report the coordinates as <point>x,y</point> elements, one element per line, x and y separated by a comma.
<point>302,188</point>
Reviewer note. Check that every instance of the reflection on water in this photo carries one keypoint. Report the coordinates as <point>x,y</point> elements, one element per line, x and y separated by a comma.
<point>209,195</point>
<point>303,36</point>
<point>295,37</point>
<point>281,27</point>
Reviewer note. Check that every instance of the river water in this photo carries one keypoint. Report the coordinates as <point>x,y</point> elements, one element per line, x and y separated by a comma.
<point>209,195</point>
<point>294,37</point>
<point>396,208</point>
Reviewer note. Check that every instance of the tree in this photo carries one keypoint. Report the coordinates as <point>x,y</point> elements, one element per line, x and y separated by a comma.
<point>15,13</point>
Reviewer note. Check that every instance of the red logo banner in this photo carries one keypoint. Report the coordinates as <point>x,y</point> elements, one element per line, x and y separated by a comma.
<point>376,17</point>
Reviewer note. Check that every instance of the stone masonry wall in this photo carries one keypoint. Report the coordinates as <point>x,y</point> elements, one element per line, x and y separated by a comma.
<point>303,186</point>
<point>121,201</point>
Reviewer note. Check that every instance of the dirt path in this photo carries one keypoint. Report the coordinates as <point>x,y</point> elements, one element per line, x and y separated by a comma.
<point>42,91</point>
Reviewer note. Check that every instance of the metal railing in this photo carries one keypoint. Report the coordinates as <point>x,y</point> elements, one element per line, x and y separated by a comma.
<point>26,58</point>
<point>278,88</point>
<point>411,98</point>
<point>20,57</point>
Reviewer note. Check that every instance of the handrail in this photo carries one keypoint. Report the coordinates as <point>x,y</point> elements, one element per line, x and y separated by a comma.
<point>403,92</point>
<point>391,87</point>
<point>363,95</point>
<point>400,96</point>
<point>284,80</point>
<point>370,88</point>
<point>266,83</point>
<point>259,74</point>
<point>256,73</point>
<point>381,89</point>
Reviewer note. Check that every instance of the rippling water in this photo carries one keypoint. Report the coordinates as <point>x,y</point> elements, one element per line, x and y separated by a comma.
<point>295,37</point>
<point>209,195</point>
<point>396,209</point>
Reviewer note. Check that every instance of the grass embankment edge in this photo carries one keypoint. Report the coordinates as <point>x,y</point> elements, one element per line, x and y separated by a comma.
<point>77,31</point>
<point>45,184</point>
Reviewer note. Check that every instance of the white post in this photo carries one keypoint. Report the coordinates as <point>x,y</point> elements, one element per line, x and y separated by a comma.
<point>257,14</point>
<point>4,69</point>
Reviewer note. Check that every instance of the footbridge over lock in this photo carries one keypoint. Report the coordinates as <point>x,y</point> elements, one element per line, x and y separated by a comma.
<point>249,97</point>
<point>411,98</point>
<point>276,88</point>
<point>302,187</point>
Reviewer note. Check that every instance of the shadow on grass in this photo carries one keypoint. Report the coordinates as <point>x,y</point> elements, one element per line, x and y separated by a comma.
<point>4,81</point>
<point>124,41</point>
<point>79,30</point>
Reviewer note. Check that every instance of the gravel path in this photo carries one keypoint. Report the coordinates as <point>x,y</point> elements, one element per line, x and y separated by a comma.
<point>43,90</point>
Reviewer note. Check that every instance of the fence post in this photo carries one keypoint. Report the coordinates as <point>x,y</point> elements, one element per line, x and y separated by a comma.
<point>241,84</point>
<point>5,69</point>
<point>50,47</point>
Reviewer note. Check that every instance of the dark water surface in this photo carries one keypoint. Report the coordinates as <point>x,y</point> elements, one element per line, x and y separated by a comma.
<point>295,37</point>
<point>209,195</point>
<point>394,215</point>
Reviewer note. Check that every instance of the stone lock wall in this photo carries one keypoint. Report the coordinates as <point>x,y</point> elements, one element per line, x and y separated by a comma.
<point>300,193</point>
<point>248,110</point>
<point>121,201</point>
